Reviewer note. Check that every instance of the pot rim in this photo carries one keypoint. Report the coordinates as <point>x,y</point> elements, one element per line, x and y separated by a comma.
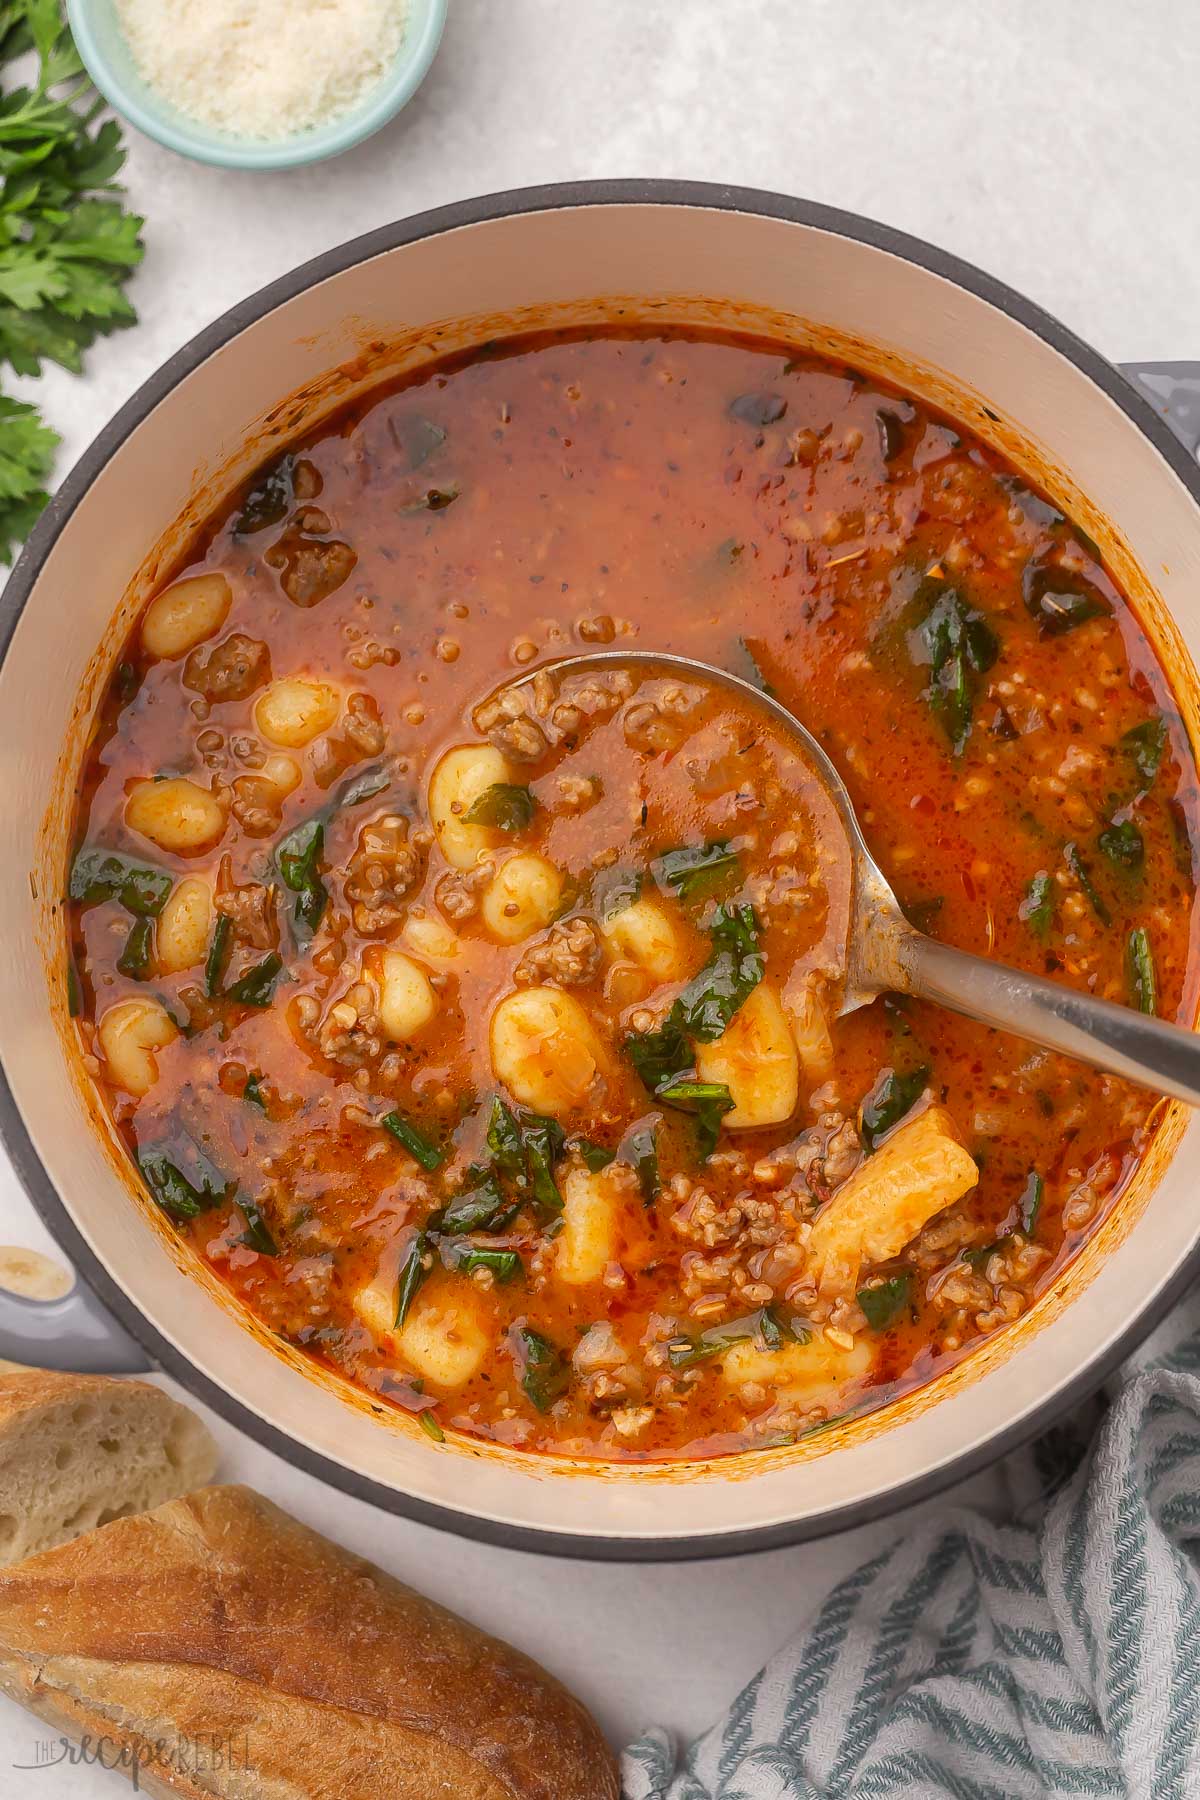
<point>28,1164</point>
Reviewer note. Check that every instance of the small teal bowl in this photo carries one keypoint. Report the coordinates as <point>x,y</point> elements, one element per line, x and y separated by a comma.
<point>107,58</point>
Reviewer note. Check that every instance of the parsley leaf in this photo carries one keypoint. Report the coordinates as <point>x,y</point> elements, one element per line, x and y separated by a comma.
<point>67,245</point>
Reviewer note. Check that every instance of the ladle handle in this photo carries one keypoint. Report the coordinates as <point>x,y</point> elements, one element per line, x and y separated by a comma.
<point>1134,1044</point>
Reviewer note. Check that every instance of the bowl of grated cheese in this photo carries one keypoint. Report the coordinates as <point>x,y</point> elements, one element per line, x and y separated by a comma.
<point>257,84</point>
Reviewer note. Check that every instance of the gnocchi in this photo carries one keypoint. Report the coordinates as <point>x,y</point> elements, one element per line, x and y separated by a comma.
<point>459,779</point>
<point>184,926</point>
<point>128,1035</point>
<point>521,898</point>
<point>430,938</point>
<point>445,1337</point>
<point>644,934</point>
<point>185,614</point>
<point>916,1172</point>
<point>292,711</point>
<point>407,1000</point>
<point>176,814</point>
<point>756,1059</point>
<point>799,1373</point>
<point>588,1241</point>
<point>545,1050</point>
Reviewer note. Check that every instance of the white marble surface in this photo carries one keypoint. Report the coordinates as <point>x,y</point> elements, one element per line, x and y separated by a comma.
<point>1057,145</point>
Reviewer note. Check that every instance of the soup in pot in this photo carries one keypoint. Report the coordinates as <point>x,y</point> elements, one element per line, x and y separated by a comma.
<point>478,1025</point>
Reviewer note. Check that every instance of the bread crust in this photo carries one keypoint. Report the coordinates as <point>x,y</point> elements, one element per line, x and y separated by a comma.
<point>220,1615</point>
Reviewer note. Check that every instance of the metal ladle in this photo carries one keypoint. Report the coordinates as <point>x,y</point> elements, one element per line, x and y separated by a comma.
<point>887,954</point>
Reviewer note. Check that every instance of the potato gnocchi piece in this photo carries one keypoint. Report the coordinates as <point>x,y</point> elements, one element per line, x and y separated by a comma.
<point>375,1307</point>
<point>643,933</point>
<point>446,1336</point>
<point>176,814</point>
<point>545,1050</point>
<point>407,1001</point>
<point>919,1170</point>
<point>521,898</point>
<point>755,1056</point>
<point>185,614</point>
<point>811,1029</point>
<point>798,1372</point>
<point>431,938</point>
<point>184,926</point>
<point>459,779</point>
<point>589,1238</point>
<point>294,710</point>
<point>128,1035</point>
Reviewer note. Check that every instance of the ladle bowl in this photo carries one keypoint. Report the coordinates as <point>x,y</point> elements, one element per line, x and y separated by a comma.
<point>885,953</point>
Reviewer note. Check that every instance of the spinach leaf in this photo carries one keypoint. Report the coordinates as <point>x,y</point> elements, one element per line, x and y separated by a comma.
<point>297,859</point>
<point>1123,845</point>
<point>1140,971</point>
<point>543,1141</point>
<point>733,971</point>
<point>524,1146</point>
<point>640,1149</point>
<point>269,501</point>
<point>504,1141</point>
<point>696,870</point>
<point>615,890</point>
<point>218,952</point>
<point>431,1156</point>
<point>1030,1203</point>
<point>1037,908</point>
<point>481,1206</point>
<point>134,959</point>
<point>106,875</point>
<point>892,1096</point>
<point>1058,601</point>
<point>660,1055</point>
<point>763,1327</point>
<point>258,1233</point>
<point>593,1156</point>
<point>1144,745</point>
<point>361,787</point>
<point>503,807</point>
<point>413,1270</point>
<point>707,1101</point>
<point>758,409</point>
<point>883,1303</point>
<point>252,1092</point>
<point>545,1372</point>
<point>504,1264</point>
<point>959,645</point>
<point>1082,874</point>
<point>257,986</point>
<point>171,1188</point>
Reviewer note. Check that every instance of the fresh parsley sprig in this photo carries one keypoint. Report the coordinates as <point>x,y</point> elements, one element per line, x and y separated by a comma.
<point>67,244</point>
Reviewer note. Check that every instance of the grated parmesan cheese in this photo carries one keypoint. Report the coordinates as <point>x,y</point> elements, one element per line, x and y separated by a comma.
<point>263,68</point>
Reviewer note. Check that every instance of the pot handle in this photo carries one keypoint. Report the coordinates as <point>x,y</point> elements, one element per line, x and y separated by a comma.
<point>74,1332</point>
<point>1173,389</point>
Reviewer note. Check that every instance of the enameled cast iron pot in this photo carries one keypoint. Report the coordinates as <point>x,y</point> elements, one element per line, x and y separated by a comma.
<point>276,364</point>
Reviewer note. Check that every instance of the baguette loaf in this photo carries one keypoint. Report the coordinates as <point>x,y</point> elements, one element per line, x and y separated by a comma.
<point>268,1664</point>
<point>79,1450</point>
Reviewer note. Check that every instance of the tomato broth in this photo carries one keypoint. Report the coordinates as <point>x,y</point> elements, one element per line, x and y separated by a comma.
<point>484,1038</point>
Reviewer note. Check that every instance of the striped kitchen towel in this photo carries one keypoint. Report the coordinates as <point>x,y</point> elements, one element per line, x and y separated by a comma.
<point>1057,1654</point>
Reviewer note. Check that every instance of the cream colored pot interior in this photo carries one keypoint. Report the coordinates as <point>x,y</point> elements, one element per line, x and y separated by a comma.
<point>337,337</point>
